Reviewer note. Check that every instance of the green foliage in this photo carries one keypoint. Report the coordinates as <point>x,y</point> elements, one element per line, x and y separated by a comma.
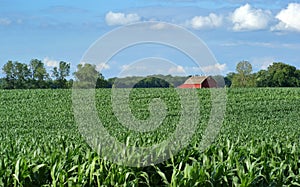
<point>88,77</point>
<point>86,73</point>
<point>258,144</point>
<point>228,79</point>
<point>279,75</point>
<point>22,76</point>
<point>243,78</point>
<point>38,70</point>
<point>244,68</point>
<point>39,74</point>
<point>17,75</point>
<point>151,81</point>
<point>60,73</point>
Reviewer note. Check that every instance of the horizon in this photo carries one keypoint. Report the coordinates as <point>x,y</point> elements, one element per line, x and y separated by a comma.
<point>261,32</point>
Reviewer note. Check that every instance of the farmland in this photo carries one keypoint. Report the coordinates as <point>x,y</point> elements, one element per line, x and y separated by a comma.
<point>258,144</point>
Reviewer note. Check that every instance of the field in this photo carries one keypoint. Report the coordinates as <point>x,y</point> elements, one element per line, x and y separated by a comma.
<point>258,144</point>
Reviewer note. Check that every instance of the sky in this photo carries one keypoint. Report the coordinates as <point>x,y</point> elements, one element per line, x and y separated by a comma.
<point>261,32</point>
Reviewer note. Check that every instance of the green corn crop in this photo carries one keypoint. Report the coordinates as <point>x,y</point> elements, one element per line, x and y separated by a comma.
<point>258,144</point>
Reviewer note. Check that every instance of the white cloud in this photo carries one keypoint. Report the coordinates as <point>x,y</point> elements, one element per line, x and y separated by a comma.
<point>275,45</point>
<point>118,18</point>
<point>137,68</point>
<point>289,18</point>
<point>50,63</point>
<point>144,69</point>
<point>5,21</point>
<point>248,18</point>
<point>176,70</point>
<point>102,66</point>
<point>265,65</point>
<point>210,21</point>
<point>159,26</point>
<point>214,69</point>
<point>125,67</point>
<point>263,62</point>
<point>249,43</point>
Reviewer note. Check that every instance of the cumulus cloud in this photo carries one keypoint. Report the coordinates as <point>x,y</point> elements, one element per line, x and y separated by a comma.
<point>214,69</point>
<point>125,67</point>
<point>50,63</point>
<point>5,21</point>
<point>143,69</point>
<point>289,18</point>
<point>159,26</point>
<point>210,21</point>
<point>263,62</point>
<point>102,66</point>
<point>176,70</point>
<point>248,18</point>
<point>118,18</point>
<point>138,68</point>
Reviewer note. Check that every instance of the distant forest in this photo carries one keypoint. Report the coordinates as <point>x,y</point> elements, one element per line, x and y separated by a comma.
<point>35,76</point>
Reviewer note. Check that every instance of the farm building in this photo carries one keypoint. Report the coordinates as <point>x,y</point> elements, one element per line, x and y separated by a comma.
<point>199,82</point>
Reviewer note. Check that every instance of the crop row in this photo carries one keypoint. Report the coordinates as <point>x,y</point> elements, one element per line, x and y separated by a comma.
<point>258,143</point>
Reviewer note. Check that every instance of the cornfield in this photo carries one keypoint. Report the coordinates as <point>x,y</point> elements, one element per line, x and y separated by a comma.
<point>258,144</point>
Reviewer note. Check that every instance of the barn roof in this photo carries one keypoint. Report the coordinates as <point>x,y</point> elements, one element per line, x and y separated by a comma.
<point>196,80</point>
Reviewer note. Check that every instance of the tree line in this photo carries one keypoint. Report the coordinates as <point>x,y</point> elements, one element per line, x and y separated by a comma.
<point>35,76</point>
<point>278,74</point>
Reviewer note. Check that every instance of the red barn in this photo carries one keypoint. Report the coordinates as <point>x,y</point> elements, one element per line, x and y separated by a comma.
<point>199,82</point>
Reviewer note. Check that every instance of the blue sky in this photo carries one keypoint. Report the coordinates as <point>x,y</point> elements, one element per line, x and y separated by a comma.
<point>259,31</point>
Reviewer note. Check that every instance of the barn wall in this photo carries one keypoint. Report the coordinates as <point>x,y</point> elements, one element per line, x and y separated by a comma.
<point>190,86</point>
<point>209,83</point>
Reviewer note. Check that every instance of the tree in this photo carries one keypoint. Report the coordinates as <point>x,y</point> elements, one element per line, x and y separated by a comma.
<point>102,83</point>
<point>22,73</point>
<point>88,77</point>
<point>17,75</point>
<point>228,79</point>
<point>152,82</point>
<point>9,78</point>
<point>262,79</point>
<point>243,78</point>
<point>283,75</point>
<point>297,74</point>
<point>39,74</point>
<point>60,73</point>
<point>244,68</point>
